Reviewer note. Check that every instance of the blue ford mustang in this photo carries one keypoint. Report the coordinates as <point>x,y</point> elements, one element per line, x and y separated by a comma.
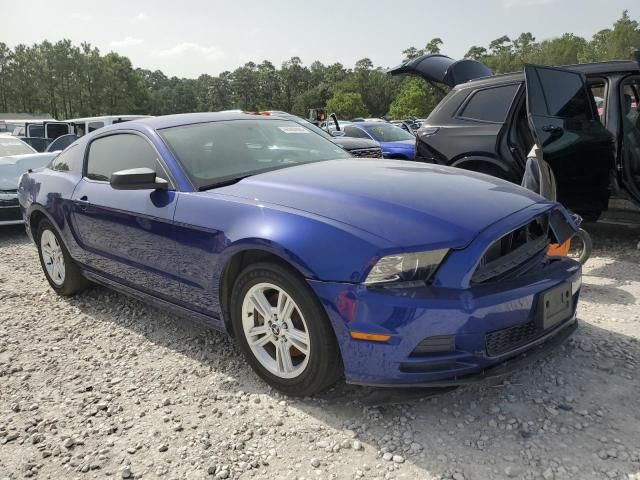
<point>320,265</point>
<point>395,142</point>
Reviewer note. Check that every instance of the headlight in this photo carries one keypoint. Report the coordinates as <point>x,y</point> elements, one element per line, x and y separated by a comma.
<point>406,267</point>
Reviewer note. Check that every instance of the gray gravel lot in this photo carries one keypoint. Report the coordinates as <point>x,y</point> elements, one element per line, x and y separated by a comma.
<point>101,385</point>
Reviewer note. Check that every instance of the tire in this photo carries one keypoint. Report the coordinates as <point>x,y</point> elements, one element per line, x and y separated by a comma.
<point>63,275</point>
<point>312,366</point>
<point>583,246</point>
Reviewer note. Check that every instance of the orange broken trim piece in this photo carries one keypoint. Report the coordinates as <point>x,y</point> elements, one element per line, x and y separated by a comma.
<point>372,337</point>
<point>562,250</point>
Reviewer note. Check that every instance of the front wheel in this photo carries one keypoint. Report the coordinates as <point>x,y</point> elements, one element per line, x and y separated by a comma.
<point>283,331</point>
<point>581,246</point>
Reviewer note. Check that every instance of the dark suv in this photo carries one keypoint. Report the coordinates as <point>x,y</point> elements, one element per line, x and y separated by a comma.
<point>585,117</point>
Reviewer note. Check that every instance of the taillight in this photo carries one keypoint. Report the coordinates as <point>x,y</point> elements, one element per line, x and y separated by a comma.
<point>428,131</point>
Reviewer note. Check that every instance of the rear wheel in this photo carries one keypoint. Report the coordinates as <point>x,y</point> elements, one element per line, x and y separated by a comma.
<point>61,271</point>
<point>283,331</point>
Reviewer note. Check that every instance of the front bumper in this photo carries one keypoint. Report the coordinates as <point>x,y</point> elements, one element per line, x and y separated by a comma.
<point>10,213</point>
<point>463,316</point>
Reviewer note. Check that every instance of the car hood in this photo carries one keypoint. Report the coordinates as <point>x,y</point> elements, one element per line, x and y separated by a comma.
<point>352,143</point>
<point>12,168</point>
<point>405,203</point>
<point>442,69</point>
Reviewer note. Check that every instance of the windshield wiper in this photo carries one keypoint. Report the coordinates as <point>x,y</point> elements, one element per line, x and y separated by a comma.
<point>224,183</point>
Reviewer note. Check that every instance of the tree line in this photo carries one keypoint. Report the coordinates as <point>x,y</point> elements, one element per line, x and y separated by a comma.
<point>68,80</point>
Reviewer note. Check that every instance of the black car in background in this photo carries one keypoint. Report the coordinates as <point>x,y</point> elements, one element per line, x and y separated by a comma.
<point>488,123</point>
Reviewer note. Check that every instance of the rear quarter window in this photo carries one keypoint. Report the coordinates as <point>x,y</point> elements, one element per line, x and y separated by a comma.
<point>70,160</point>
<point>489,104</point>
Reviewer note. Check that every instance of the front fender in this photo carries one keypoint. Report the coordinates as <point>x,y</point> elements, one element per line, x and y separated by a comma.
<point>218,227</point>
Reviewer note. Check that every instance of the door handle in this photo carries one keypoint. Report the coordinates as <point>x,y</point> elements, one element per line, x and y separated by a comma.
<point>83,201</point>
<point>553,129</point>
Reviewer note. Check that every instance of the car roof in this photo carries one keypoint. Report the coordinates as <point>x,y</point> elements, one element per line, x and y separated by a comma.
<point>617,66</point>
<point>167,121</point>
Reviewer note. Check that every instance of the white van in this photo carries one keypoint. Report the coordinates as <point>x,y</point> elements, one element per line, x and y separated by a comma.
<point>51,129</point>
<point>82,126</point>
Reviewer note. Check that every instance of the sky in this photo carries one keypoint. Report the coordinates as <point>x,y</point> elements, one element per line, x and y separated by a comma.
<point>187,37</point>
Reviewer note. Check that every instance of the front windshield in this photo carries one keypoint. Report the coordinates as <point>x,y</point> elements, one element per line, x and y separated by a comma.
<point>303,122</point>
<point>312,127</point>
<point>386,132</point>
<point>216,152</point>
<point>11,146</point>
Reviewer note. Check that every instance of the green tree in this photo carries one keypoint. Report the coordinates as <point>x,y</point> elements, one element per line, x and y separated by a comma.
<point>624,38</point>
<point>476,53</point>
<point>6,60</point>
<point>433,46</point>
<point>68,80</point>
<point>347,105</point>
<point>565,50</point>
<point>413,100</point>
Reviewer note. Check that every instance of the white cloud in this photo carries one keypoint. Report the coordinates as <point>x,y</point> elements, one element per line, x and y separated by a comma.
<point>83,17</point>
<point>141,17</point>
<point>524,3</point>
<point>125,42</point>
<point>185,48</point>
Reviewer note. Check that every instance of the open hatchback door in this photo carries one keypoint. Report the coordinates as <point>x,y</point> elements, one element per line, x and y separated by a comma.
<point>580,150</point>
<point>437,68</point>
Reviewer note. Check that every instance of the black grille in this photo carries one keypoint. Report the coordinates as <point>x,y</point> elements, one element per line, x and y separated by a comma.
<point>515,253</point>
<point>10,214</point>
<point>8,198</point>
<point>367,152</point>
<point>434,345</point>
<point>507,339</point>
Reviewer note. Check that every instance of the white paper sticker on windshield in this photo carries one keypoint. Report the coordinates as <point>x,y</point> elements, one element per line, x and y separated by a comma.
<point>294,129</point>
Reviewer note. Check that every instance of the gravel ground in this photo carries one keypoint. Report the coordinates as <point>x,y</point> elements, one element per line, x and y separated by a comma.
<point>101,385</point>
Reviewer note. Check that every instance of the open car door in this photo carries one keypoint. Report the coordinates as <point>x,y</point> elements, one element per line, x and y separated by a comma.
<point>580,150</point>
<point>34,130</point>
<point>54,130</point>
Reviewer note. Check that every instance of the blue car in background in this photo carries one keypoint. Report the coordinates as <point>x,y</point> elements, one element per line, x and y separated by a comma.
<point>320,265</point>
<point>395,142</point>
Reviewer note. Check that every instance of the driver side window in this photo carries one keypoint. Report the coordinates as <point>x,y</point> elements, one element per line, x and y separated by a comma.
<point>121,152</point>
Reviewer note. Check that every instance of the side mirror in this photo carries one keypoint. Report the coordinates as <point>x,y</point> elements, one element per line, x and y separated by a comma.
<point>337,133</point>
<point>137,179</point>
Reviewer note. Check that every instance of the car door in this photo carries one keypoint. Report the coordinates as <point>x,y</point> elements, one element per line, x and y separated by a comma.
<point>579,149</point>
<point>54,130</point>
<point>34,130</point>
<point>126,235</point>
<point>629,147</point>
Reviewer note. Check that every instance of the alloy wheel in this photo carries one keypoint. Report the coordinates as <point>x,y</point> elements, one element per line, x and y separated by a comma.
<point>276,330</point>
<point>52,257</point>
